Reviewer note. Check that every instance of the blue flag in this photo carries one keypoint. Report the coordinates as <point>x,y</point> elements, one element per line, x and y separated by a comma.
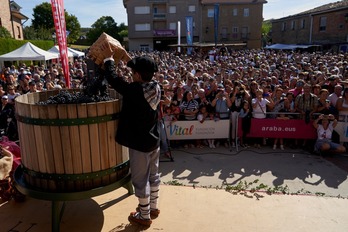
<point>216,22</point>
<point>189,32</point>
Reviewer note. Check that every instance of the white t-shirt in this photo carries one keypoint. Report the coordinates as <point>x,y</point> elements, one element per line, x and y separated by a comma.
<point>260,110</point>
<point>324,134</point>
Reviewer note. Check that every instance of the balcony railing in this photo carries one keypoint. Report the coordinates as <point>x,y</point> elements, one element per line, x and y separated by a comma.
<point>159,16</point>
<point>164,33</point>
<point>155,1</point>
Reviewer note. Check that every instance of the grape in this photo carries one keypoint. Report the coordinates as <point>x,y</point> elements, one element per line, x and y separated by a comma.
<point>94,90</point>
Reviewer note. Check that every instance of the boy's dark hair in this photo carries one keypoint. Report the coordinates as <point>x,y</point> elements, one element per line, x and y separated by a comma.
<point>145,76</point>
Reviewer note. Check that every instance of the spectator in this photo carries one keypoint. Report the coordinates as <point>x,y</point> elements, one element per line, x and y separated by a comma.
<point>189,106</point>
<point>278,100</point>
<point>239,95</point>
<point>335,95</point>
<point>202,116</point>
<point>323,106</point>
<point>281,116</point>
<point>7,110</point>
<point>342,105</point>
<point>325,125</point>
<point>259,106</point>
<point>222,104</point>
<point>245,114</point>
<point>306,103</point>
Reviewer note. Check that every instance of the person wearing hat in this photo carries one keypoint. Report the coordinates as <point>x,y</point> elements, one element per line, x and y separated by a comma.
<point>139,130</point>
<point>5,112</point>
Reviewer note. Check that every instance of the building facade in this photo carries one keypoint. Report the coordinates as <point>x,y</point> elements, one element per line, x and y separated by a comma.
<point>11,18</point>
<point>156,24</point>
<point>326,25</point>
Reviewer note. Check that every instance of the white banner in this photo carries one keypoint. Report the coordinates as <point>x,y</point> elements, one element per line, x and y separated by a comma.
<point>209,129</point>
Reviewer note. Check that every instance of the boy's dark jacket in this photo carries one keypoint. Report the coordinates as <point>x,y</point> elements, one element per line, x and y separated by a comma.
<point>138,126</point>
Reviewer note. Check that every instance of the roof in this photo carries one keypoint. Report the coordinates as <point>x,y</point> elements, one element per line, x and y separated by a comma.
<point>324,8</point>
<point>232,2</point>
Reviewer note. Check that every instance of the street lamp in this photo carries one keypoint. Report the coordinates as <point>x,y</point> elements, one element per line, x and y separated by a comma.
<point>54,37</point>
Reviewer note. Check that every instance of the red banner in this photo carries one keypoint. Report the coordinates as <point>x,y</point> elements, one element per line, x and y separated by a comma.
<point>60,26</point>
<point>277,128</point>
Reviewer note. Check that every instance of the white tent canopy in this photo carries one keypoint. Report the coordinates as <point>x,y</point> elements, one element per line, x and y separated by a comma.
<point>28,52</point>
<point>76,53</point>
<point>55,49</point>
<point>71,52</point>
<point>290,46</point>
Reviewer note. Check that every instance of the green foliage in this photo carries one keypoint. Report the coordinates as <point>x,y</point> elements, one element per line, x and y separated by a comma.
<point>42,17</point>
<point>43,24</point>
<point>8,45</point>
<point>4,33</point>
<point>266,27</point>
<point>123,33</point>
<point>105,24</point>
<point>73,25</point>
<point>41,33</point>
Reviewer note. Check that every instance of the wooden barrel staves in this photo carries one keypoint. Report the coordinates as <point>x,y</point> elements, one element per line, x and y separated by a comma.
<point>69,147</point>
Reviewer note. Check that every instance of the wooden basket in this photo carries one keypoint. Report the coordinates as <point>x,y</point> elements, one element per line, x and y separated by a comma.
<point>69,147</point>
<point>96,50</point>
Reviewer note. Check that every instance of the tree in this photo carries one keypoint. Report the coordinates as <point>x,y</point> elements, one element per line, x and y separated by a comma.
<point>266,32</point>
<point>73,26</point>
<point>43,20</point>
<point>43,16</point>
<point>4,33</point>
<point>30,33</point>
<point>105,24</point>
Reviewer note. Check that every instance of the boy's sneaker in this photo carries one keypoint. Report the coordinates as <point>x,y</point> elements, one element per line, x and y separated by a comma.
<point>274,147</point>
<point>136,217</point>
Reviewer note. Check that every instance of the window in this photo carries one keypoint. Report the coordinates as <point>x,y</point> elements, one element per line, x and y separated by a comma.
<point>142,10</point>
<point>19,32</point>
<point>235,32</point>
<point>224,34</point>
<point>144,48</point>
<point>244,32</point>
<point>192,8</point>
<point>235,12</point>
<point>172,9</point>
<point>246,12</point>
<point>322,24</point>
<point>293,25</point>
<point>283,26</point>
<point>142,27</point>
<point>172,26</point>
<point>210,13</point>
<point>303,23</point>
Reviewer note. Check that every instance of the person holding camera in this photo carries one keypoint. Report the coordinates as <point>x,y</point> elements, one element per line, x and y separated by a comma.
<point>325,125</point>
<point>238,96</point>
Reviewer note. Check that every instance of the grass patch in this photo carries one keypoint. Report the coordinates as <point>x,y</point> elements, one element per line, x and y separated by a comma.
<point>79,47</point>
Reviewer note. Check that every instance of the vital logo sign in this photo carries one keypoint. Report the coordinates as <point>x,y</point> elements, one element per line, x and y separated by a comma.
<point>178,130</point>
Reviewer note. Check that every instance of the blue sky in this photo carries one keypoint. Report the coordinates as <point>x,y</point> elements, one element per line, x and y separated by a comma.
<point>89,11</point>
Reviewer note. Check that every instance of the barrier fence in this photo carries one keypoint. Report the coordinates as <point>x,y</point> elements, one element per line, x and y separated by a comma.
<point>264,128</point>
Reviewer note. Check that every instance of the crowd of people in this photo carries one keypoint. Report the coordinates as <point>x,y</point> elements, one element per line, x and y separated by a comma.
<point>224,84</point>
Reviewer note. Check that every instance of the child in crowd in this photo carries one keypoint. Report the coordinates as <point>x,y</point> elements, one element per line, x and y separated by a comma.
<point>203,115</point>
<point>168,115</point>
<point>280,116</point>
<point>175,110</point>
<point>245,114</point>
